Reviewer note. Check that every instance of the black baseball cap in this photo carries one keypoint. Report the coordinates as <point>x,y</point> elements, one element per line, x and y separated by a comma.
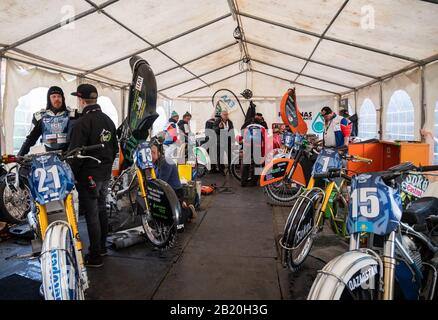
<point>86,91</point>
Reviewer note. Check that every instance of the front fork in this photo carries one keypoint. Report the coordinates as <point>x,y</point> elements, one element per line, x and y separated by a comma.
<point>72,222</point>
<point>389,267</point>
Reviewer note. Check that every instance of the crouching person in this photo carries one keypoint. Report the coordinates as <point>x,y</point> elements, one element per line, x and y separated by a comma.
<point>166,170</point>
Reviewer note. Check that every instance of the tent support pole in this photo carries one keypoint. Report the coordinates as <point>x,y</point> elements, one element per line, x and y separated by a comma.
<point>381,110</point>
<point>355,101</point>
<point>422,98</point>
<point>2,131</point>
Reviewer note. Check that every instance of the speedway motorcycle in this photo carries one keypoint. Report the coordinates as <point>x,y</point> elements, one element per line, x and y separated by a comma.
<point>54,221</point>
<point>400,259</point>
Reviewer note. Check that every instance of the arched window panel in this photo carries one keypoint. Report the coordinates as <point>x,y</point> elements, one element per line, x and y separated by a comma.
<point>109,109</point>
<point>367,120</point>
<point>400,117</point>
<point>28,104</point>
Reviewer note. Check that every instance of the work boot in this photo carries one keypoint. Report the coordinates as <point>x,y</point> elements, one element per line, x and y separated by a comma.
<point>93,261</point>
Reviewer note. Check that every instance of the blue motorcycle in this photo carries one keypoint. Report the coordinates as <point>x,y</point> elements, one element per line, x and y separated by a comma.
<point>54,220</point>
<point>400,259</point>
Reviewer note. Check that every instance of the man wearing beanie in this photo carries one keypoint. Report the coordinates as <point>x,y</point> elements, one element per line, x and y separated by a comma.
<point>53,123</point>
<point>171,129</point>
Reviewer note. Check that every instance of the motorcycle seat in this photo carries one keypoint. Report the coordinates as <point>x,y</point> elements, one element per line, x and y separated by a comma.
<point>420,209</point>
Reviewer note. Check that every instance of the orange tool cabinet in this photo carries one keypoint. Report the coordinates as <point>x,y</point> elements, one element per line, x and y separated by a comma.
<point>386,154</point>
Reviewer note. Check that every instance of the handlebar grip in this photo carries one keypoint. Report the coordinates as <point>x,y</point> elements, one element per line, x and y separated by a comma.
<point>93,147</point>
<point>428,168</point>
<point>362,159</point>
<point>321,175</point>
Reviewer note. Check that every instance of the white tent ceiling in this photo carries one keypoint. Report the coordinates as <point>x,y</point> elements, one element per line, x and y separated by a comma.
<point>318,45</point>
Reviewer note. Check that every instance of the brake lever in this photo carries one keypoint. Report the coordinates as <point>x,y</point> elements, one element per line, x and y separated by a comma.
<point>89,157</point>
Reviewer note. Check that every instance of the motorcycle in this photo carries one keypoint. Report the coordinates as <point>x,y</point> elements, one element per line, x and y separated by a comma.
<point>284,177</point>
<point>400,259</point>
<point>153,200</point>
<point>54,221</point>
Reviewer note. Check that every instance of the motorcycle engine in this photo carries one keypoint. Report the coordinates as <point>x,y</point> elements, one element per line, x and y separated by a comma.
<point>413,251</point>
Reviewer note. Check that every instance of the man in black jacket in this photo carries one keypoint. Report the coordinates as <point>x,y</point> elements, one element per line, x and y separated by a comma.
<point>184,126</point>
<point>54,124</point>
<point>225,138</point>
<point>210,131</point>
<point>92,178</point>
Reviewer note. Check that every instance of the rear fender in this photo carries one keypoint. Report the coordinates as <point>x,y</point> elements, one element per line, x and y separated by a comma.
<point>277,169</point>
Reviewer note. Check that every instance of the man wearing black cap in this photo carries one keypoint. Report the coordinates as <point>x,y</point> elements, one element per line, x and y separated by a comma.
<point>94,127</point>
<point>53,123</point>
<point>260,120</point>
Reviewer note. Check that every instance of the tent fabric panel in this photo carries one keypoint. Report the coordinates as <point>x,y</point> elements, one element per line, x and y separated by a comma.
<point>399,26</point>
<point>222,73</point>
<point>121,71</point>
<point>90,44</point>
<point>201,41</point>
<point>157,21</point>
<point>274,71</point>
<point>321,84</point>
<point>275,58</point>
<point>215,60</point>
<point>356,59</point>
<point>277,37</point>
<point>335,75</point>
<point>172,77</point>
<point>183,88</point>
<point>34,16</point>
<point>310,15</point>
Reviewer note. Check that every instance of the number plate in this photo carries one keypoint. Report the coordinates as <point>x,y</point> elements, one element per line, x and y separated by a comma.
<point>50,179</point>
<point>374,206</point>
<point>143,156</point>
<point>327,159</point>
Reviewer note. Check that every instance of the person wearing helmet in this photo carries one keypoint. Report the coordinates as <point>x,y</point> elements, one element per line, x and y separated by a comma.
<point>53,124</point>
<point>167,171</point>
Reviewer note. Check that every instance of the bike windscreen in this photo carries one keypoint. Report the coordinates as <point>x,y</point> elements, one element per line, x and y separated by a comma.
<point>226,100</point>
<point>50,179</point>
<point>290,114</point>
<point>374,206</point>
<point>327,159</point>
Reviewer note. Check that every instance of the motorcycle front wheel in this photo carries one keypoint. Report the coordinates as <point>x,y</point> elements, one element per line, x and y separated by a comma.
<point>60,264</point>
<point>14,204</point>
<point>160,234</point>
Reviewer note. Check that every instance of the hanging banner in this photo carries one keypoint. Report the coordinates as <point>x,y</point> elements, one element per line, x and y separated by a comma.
<point>141,109</point>
<point>290,114</point>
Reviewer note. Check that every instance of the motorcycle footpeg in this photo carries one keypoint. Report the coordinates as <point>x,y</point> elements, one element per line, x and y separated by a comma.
<point>37,246</point>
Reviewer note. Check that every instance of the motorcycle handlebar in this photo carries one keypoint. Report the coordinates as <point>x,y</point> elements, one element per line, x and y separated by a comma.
<point>427,168</point>
<point>9,158</point>
<point>332,173</point>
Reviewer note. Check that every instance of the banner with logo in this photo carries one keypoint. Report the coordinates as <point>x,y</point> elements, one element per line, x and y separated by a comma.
<point>290,114</point>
